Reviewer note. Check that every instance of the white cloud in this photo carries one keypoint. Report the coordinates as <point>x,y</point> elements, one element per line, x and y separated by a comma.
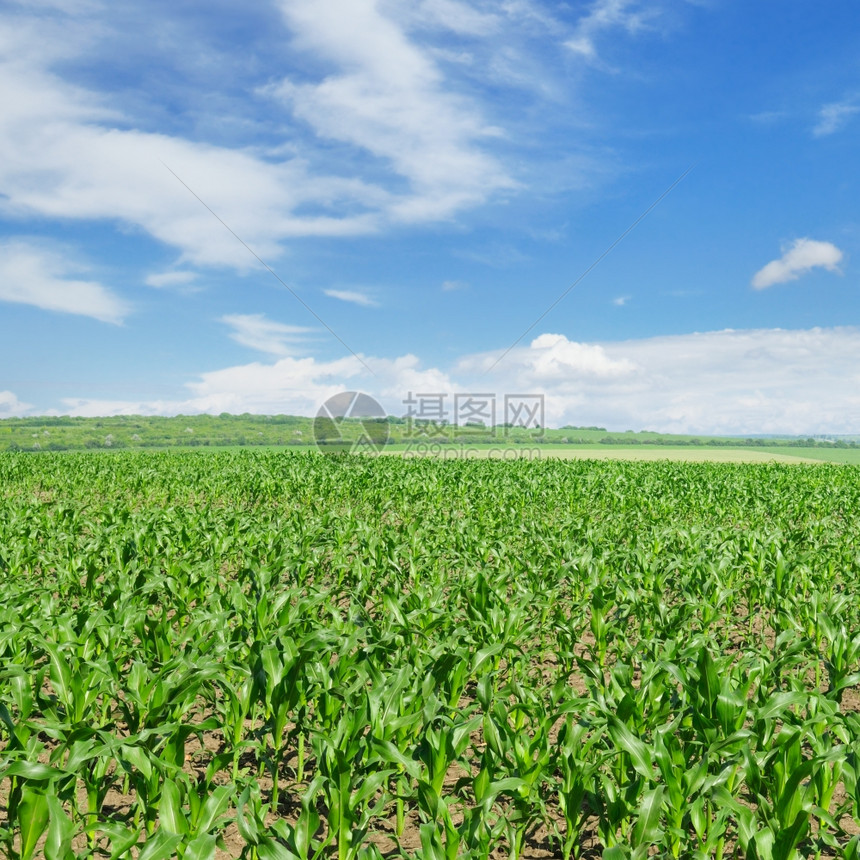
<point>832,117</point>
<point>353,296</point>
<point>388,97</point>
<point>620,301</point>
<point>11,406</point>
<point>769,117</point>
<point>68,153</point>
<point>172,279</point>
<point>296,386</point>
<point>458,17</point>
<point>604,15</point>
<point>450,286</point>
<point>803,256</point>
<point>33,273</point>
<point>550,358</point>
<point>257,332</point>
<point>731,382</point>
<point>66,157</point>
<point>69,169</point>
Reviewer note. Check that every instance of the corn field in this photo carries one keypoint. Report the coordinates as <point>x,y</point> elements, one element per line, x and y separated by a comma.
<point>288,657</point>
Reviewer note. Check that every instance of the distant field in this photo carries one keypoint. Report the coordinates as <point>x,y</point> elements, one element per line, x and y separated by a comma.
<point>633,453</point>
<point>681,453</point>
<point>828,455</point>
<point>278,432</point>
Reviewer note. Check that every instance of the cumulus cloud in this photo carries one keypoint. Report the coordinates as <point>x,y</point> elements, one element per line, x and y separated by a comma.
<point>296,386</point>
<point>353,296</point>
<point>553,356</point>
<point>11,406</point>
<point>35,273</point>
<point>803,256</point>
<point>731,382</point>
<point>832,117</point>
<point>269,336</point>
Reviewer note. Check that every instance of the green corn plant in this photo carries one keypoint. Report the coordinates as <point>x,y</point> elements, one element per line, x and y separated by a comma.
<point>78,684</point>
<point>442,743</point>
<point>841,653</point>
<point>352,795</point>
<point>646,832</point>
<point>519,740</point>
<point>575,760</point>
<point>629,777</point>
<point>235,702</point>
<point>91,755</point>
<point>32,806</point>
<point>394,716</point>
<point>278,669</point>
<point>193,814</point>
<point>829,740</point>
<point>785,792</point>
<point>709,817</point>
<point>683,773</point>
<point>600,626</point>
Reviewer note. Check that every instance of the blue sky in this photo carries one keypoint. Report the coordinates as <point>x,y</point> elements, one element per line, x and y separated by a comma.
<point>429,177</point>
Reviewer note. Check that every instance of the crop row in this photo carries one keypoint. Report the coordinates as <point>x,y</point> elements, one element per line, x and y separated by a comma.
<point>297,656</point>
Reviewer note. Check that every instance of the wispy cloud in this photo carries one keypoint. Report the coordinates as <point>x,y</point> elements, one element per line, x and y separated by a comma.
<point>40,274</point>
<point>69,153</point>
<point>294,386</point>
<point>803,256</point>
<point>386,95</point>
<point>264,335</point>
<point>620,301</point>
<point>353,296</point>
<point>769,117</point>
<point>171,280</point>
<point>605,15</point>
<point>832,117</point>
<point>67,156</point>
<point>451,286</point>
<point>458,17</point>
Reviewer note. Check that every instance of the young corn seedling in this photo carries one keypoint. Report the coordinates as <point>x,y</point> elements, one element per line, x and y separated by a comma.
<point>29,808</point>
<point>784,789</point>
<point>278,673</point>
<point>193,814</point>
<point>352,795</point>
<point>841,655</point>
<point>630,774</point>
<point>91,754</point>
<point>519,740</point>
<point>576,761</point>
<point>394,717</point>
